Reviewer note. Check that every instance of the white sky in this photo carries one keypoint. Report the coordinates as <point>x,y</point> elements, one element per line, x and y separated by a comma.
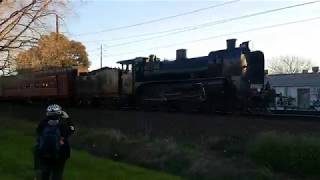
<point>301,39</point>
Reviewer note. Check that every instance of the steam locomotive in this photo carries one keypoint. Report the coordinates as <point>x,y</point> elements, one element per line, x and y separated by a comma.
<point>225,79</point>
<point>228,79</point>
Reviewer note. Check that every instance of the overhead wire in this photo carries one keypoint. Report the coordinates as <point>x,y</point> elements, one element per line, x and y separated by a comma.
<point>222,21</point>
<point>194,27</point>
<point>159,19</point>
<point>134,36</point>
<point>221,35</point>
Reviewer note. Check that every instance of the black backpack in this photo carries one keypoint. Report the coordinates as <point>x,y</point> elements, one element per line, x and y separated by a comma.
<point>49,142</point>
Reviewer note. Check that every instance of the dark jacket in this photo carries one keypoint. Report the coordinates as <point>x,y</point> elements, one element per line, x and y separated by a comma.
<point>66,129</point>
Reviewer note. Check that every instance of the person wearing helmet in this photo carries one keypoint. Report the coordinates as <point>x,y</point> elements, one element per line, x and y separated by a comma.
<point>52,147</point>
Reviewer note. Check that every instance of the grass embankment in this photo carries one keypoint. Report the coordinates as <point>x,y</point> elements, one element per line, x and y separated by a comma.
<point>240,156</point>
<point>267,156</point>
<point>293,154</point>
<point>16,161</point>
<point>192,161</point>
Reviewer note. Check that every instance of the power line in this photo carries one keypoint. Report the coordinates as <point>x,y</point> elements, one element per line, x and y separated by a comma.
<point>159,19</point>
<point>222,21</point>
<point>221,35</point>
<point>183,29</point>
<point>135,36</point>
<point>94,50</point>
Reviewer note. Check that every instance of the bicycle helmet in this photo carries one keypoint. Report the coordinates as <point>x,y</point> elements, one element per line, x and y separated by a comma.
<point>54,110</point>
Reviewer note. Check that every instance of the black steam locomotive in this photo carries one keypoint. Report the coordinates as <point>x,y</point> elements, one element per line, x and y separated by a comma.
<point>225,80</point>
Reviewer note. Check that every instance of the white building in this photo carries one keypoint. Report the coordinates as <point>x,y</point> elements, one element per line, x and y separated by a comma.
<point>301,90</point>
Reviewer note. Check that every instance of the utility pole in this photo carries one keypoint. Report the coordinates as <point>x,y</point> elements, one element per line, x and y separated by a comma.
<point>101,56</point>
<point>57,27</point>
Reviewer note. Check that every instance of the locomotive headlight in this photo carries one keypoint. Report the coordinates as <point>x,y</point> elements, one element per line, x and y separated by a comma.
<point>244,64</point>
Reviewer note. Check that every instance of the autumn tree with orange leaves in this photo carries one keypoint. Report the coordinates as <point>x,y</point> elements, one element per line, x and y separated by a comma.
<point>53,51</point>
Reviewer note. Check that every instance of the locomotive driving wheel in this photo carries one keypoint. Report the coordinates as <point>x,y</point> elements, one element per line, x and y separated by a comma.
<point>150,98</point>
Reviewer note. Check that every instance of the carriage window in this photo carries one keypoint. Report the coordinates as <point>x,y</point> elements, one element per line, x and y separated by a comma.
<point>51,84</point>
<point>37,85</point>
<point>44,85</point>
<point>127,68</point>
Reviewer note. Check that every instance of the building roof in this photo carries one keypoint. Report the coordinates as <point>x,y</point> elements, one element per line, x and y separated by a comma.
<point>131,61</point>
<point>294,80</point>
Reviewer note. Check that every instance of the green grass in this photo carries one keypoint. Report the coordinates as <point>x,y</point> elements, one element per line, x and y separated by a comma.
<point>293,154</point>
<point>16,161</point>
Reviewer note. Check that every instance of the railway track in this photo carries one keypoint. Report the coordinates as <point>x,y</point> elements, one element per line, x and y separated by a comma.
<point>287,116</point>
<point>174,124</point>
<point>278,115</point>
<point>273,114</point>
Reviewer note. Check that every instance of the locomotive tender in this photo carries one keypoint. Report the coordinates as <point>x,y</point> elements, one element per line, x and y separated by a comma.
<point>225,79</point>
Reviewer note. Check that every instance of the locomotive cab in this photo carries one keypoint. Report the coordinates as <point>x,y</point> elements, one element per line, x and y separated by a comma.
<point>126,77</point>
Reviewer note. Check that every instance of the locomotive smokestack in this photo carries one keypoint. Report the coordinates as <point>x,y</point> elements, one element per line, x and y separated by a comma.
<point>231,43</point>
<point>181,54</point>
<point>315,69</point>
<point>245,44</point>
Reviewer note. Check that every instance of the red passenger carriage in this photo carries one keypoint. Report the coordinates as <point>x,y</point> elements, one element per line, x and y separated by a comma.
<point>39,85</point>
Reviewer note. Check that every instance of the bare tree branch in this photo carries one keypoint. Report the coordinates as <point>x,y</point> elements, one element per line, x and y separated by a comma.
<point>288,65</point>
<point>21,25</point>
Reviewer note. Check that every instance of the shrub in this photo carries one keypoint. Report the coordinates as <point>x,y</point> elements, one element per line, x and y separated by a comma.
<point>294,154</point>
<point>164,154</point>
<point>110,143</point>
